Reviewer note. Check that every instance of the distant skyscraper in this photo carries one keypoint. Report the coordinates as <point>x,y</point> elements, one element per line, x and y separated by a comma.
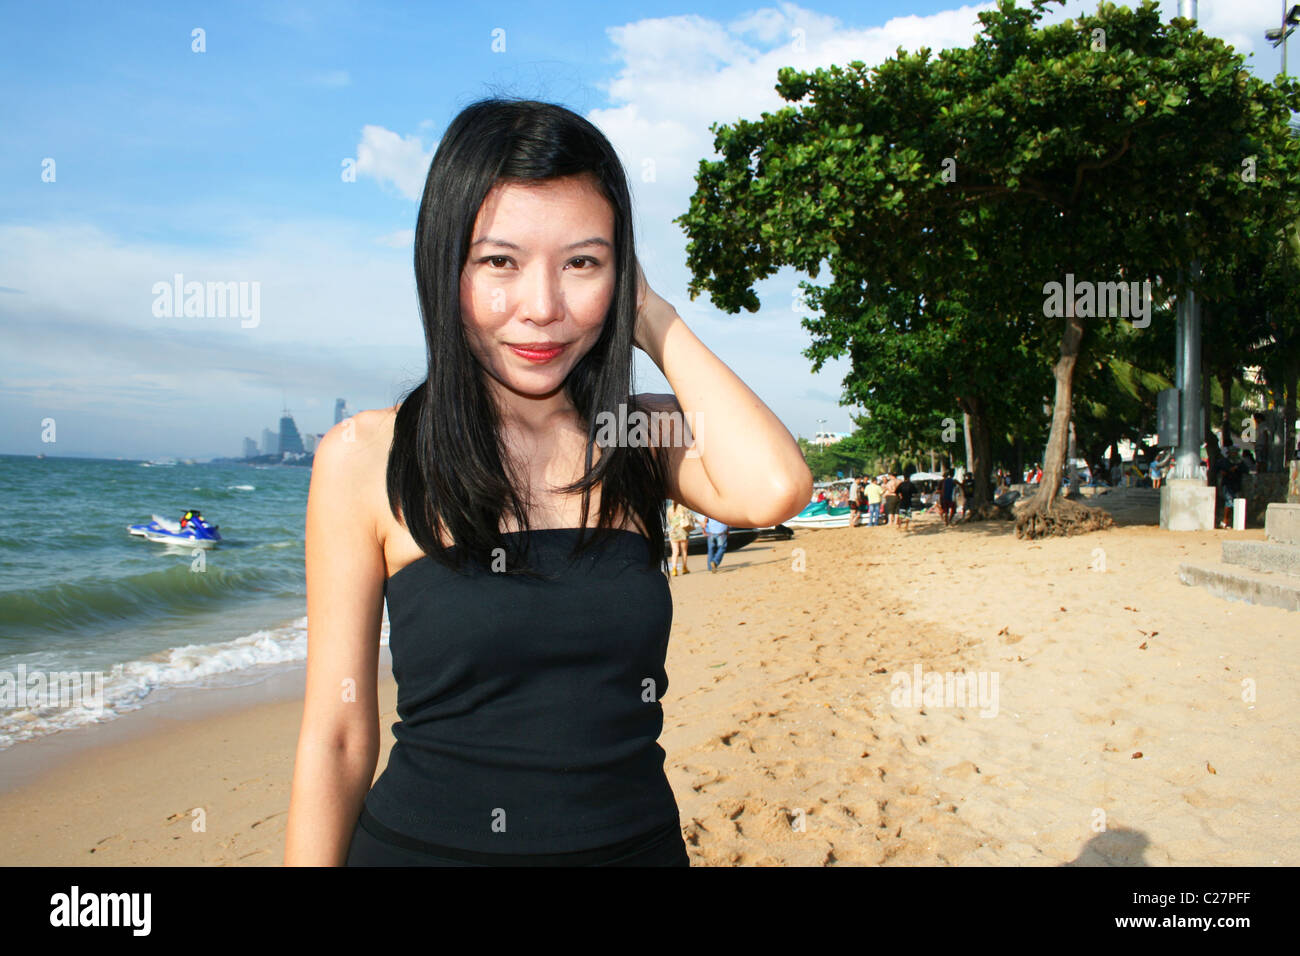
<point>290,440</point>
<point>270,442</point>
<point>250,448</point>
<point>341,410</point>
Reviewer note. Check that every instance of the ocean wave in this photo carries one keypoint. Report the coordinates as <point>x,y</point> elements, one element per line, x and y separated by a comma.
<point>69,604</point>
<point>127,687</point>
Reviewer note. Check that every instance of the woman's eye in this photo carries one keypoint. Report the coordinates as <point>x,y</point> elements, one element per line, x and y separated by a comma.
<point>503,262</point>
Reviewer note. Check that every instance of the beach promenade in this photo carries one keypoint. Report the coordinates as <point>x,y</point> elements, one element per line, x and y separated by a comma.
<point>1114,717</point>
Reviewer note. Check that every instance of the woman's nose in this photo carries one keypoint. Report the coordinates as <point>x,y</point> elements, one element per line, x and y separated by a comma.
<point>541,295</point>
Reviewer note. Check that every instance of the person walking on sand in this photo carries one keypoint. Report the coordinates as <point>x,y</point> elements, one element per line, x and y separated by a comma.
<point>680,521</point>
<point>717,534</point>
<point>948,498</point>
<point>520,555</point>
<point>905,491</point>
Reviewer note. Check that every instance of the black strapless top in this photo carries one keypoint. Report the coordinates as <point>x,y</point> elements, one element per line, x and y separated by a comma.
<point>529,710</point>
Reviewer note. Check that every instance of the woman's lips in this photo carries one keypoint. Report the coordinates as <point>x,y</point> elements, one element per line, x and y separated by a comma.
<point>537,354</point>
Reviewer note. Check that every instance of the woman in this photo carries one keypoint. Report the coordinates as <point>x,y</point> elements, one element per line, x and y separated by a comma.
<point>680,521</point>
<point>519,550</point>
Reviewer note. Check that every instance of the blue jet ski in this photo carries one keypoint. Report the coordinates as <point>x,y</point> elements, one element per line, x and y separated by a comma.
<point>191,531</point>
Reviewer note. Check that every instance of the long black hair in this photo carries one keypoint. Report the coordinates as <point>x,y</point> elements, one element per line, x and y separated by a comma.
<point>446,467</point>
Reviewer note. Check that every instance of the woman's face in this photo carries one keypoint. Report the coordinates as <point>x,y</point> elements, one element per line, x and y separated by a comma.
<point>538,280</point>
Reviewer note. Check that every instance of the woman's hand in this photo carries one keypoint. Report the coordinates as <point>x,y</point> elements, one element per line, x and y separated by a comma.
<point>651,313</point>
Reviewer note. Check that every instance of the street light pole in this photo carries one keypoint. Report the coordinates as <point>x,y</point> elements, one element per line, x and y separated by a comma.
<point>1278,37</point>
<point>1187,453</point>
<point>1187,456</point>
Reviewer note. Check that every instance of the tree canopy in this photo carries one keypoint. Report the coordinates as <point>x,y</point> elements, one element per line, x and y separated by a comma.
<point>944,193</point>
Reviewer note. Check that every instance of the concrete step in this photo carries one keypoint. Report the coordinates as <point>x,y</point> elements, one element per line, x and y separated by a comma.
<point>1263,556</point>
<point>1282,523</point>
<point>1235,583</point>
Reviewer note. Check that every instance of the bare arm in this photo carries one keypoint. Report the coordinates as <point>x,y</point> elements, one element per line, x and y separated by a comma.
<point>338,744</point>
<point>746,469</point>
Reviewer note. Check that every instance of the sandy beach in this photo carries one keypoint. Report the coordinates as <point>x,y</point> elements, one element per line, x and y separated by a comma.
<point>1124,719</point>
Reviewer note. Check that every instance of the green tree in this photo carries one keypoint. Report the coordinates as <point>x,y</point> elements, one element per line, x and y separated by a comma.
<point>1108,149</point>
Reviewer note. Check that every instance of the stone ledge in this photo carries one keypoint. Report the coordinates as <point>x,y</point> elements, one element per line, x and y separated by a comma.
<point>1263,556</point>
<point>1238,584</point>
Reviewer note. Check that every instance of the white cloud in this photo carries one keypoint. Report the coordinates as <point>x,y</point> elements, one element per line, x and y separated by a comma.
<point>678,75</point>
<point>391,158</point>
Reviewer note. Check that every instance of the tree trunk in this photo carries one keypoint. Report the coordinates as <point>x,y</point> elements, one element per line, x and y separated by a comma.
<point>1045,514</point>
<point>965,430</point>
<point>1063,372</point>
<point>980,449</point>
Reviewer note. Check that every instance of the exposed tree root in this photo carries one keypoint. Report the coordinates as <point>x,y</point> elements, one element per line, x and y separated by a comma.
<point>990,512</point>
<point>1063,517</point>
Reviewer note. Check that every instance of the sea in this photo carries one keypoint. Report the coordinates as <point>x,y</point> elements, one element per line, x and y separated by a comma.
<point>96,622</point>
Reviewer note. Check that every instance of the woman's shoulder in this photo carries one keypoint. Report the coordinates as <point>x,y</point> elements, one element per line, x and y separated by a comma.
<point>354,453</point>
<point>363,433</point>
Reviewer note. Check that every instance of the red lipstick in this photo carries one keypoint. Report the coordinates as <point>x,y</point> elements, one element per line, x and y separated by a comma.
<point>538,352</point>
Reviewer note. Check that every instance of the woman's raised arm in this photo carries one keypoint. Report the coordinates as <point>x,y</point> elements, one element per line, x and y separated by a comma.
<point>746,469</point>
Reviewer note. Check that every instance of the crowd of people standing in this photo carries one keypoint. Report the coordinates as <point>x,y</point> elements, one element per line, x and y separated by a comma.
<point>893,499</point>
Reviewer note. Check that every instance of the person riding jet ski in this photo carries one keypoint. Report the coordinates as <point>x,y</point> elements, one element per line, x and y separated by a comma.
<point>191,530</point>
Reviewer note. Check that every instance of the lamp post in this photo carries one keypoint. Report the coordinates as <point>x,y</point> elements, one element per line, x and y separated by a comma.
<point>1187,451</point>
<point>1290,20</point>
<point>1186,501</point>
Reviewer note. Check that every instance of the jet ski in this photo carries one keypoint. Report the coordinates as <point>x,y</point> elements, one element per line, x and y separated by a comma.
<point>191,530</point>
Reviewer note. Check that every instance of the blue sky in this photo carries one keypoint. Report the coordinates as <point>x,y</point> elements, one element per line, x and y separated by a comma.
<point>225,165</point>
